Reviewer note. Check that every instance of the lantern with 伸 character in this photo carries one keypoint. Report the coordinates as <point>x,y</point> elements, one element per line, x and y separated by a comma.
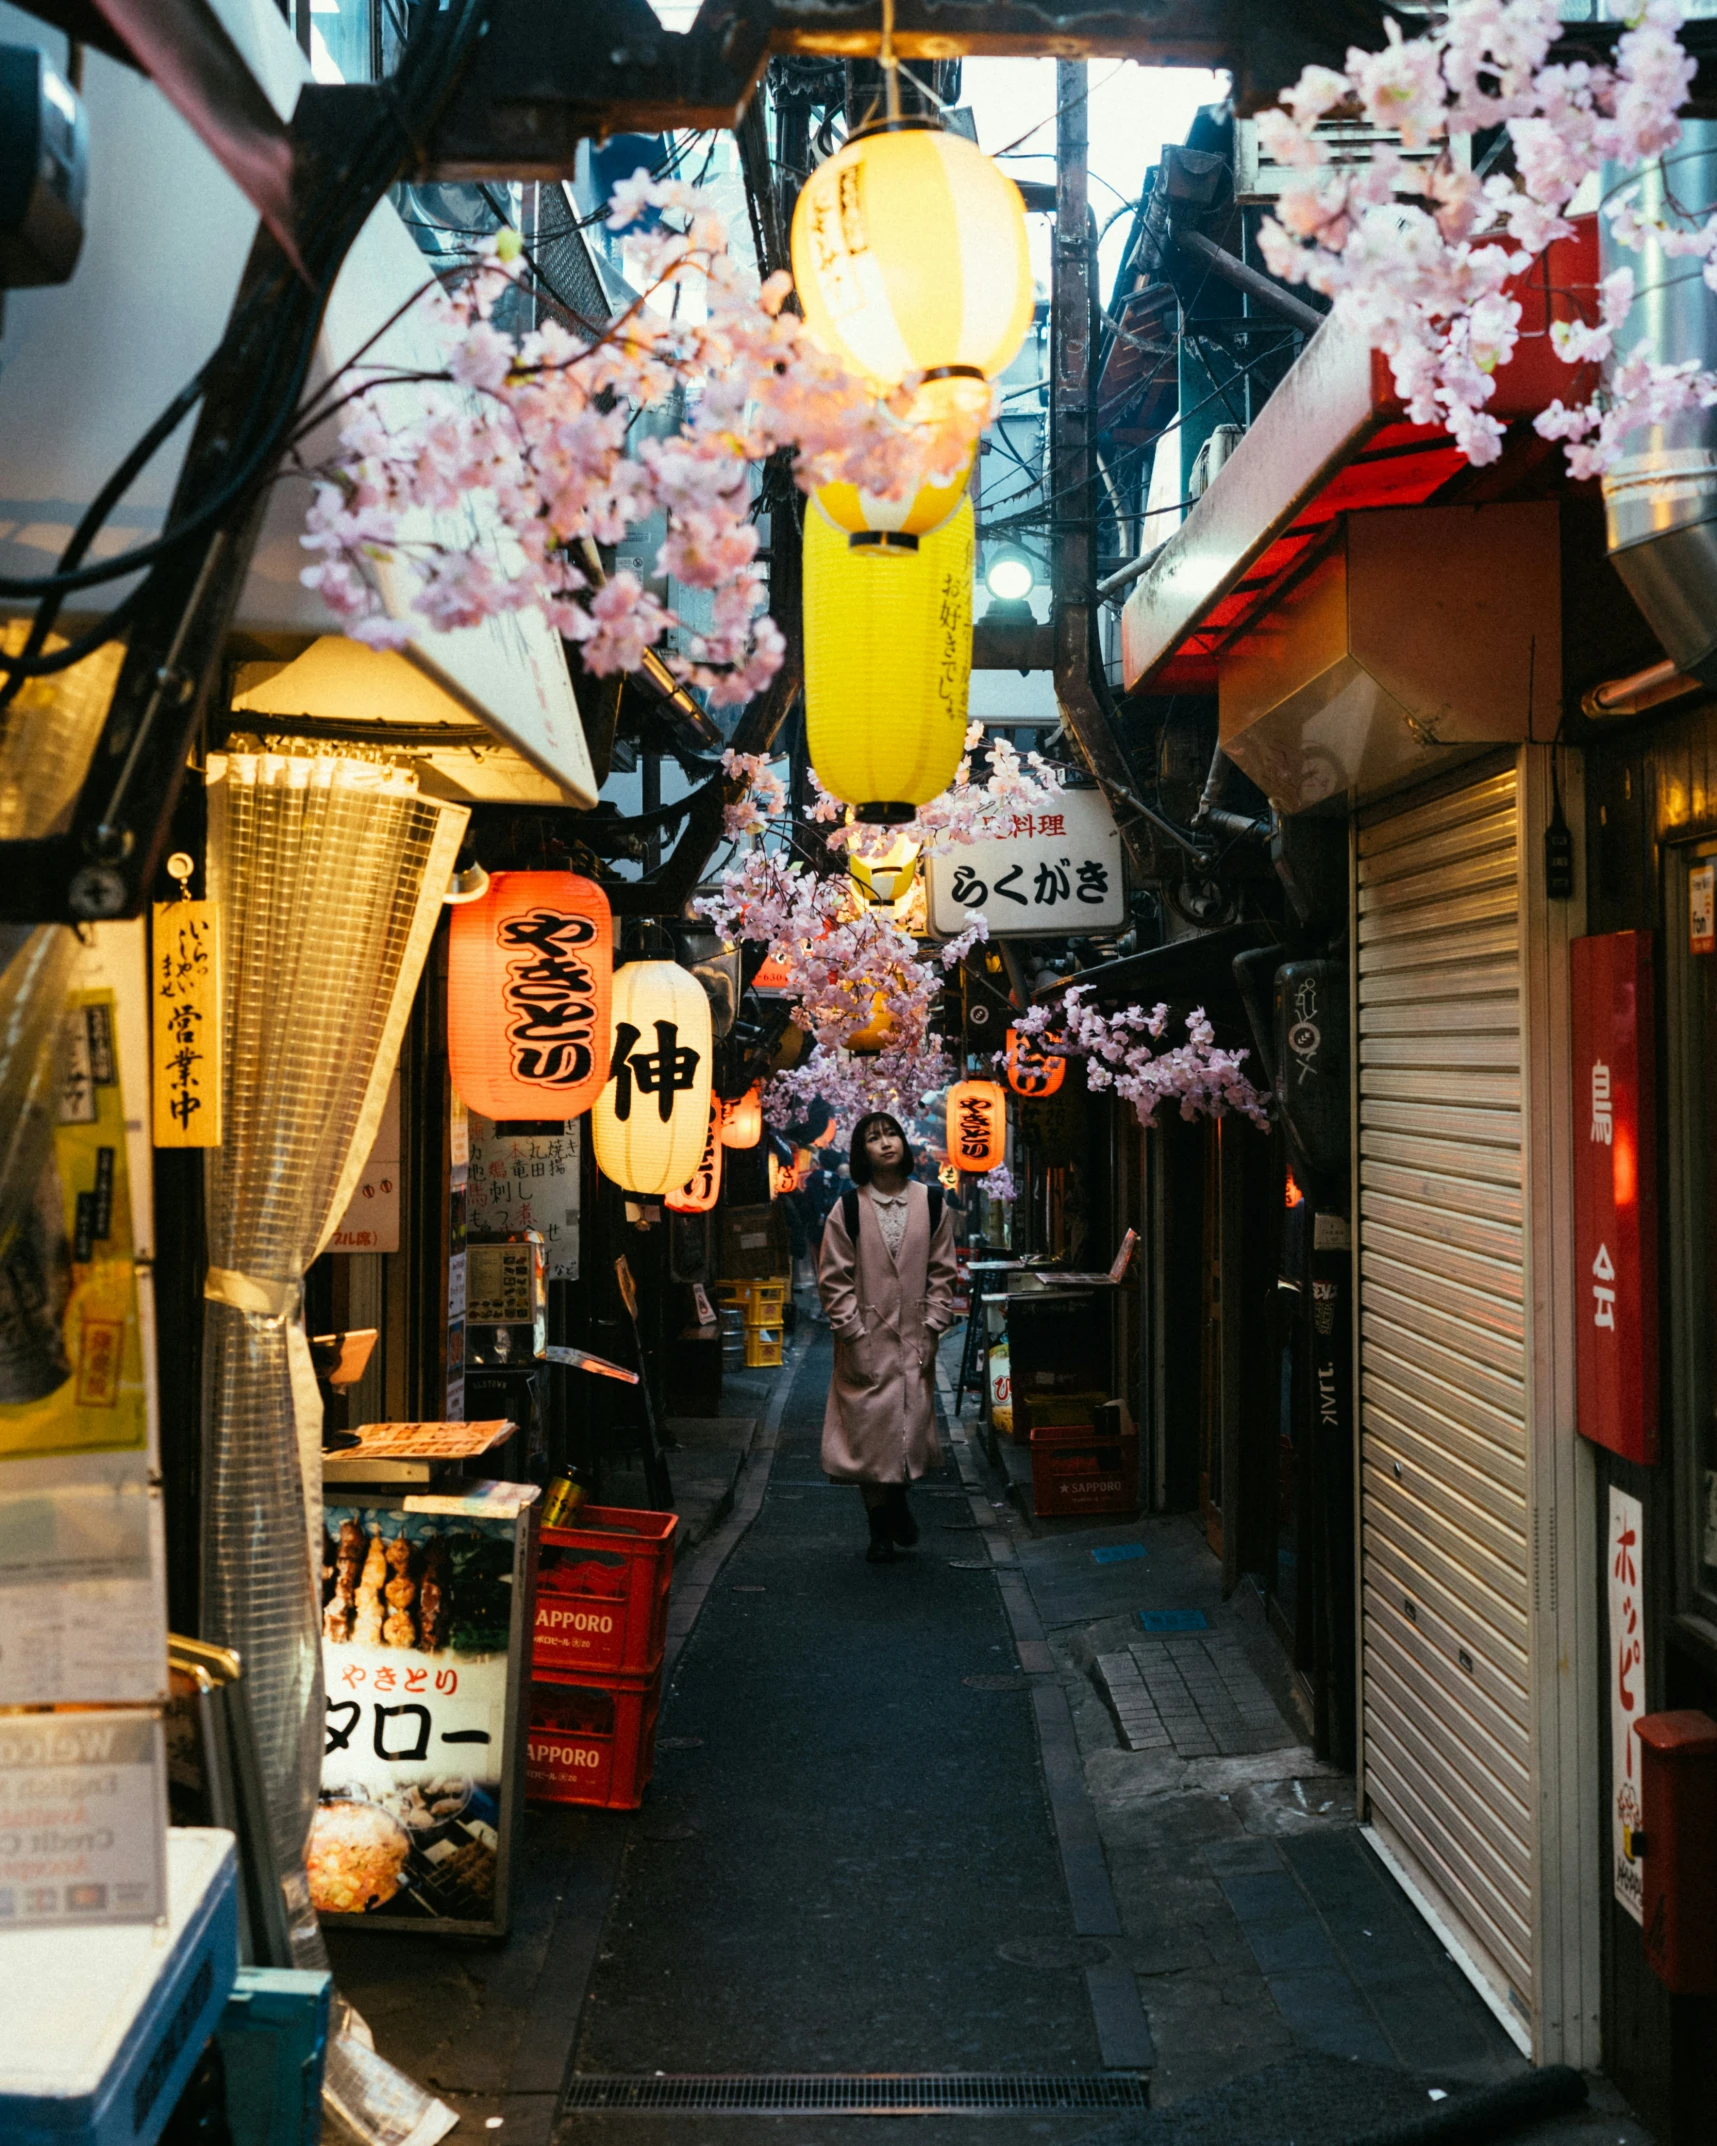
<point>977,1125</point>
<point>888,663</point>
<point>530,969</point>
<point>651,1119</point>
<point>742,1119</point>
<point>910,256</point>
<point>1031,1069</point>
<point>700,1192</point>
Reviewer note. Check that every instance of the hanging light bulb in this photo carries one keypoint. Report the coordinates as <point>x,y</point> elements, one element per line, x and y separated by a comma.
<point>910,256</point>
<point>886,879</point>
<point>888,665</point>
<point>977,1125</point>
<point>652,1116</point>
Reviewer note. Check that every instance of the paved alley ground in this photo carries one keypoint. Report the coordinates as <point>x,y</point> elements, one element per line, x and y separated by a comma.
<point>969,1814</point>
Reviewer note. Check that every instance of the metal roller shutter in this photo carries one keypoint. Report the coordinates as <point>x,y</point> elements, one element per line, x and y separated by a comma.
<point>1444,1372</point>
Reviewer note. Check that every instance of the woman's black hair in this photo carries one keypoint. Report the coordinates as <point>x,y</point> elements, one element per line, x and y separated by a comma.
<point>858,1162</point>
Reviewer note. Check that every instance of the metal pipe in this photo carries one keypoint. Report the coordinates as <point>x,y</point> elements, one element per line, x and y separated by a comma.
<point>1125,576</point>
<point>1650,688</point>
<point>1252,281</point>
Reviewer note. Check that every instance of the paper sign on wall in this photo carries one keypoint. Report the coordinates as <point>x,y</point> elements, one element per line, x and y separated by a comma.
<point>371,1220</point>
<point>527,1181</point>
<point>1625,1562</point>
<point>85,1837</point>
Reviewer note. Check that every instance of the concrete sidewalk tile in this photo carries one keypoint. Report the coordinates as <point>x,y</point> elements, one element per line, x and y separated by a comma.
<point>1327,2013</point>
<point>1265,1896</point>
<point>1123,2032</point>
<point>1241,1858</point>
<point>1285,1947</point>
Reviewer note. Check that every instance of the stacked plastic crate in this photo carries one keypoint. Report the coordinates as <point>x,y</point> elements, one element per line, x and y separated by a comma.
<point>596,1656</point>
<point>764,1304</point>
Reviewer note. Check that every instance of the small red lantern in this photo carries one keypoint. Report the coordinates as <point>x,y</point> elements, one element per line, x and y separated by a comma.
<point>1031,1069</point>
<point>530,979</point>
<point>977,1125</point>
<point>742,1121</point>
<point>699,1195</point>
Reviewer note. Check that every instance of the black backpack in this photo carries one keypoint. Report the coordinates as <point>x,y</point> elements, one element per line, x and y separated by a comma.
<point>850,1211</point>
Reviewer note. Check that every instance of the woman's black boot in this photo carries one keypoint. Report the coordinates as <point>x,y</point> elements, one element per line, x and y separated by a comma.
<point>902,1528</point>
<point>881,1551</point>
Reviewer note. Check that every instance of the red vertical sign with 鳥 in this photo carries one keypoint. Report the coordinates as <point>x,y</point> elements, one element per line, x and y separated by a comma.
<point>1615,1206</point>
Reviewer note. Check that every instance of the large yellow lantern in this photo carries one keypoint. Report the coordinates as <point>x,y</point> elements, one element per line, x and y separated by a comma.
<point>910,256</point>
<point>977,1125</point>
<point>876,1034</point>
<point>888,665</point>
<point>892,524</point>
<point>652,1117</point>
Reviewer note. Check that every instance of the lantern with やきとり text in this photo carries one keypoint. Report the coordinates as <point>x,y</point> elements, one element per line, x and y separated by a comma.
<point>1031,1069</point>
<point>742,1119</point>
<point>888,664</point>
<point>652,1117</point>
<point>910,256</point>
<point>977,1125</point>
<point>699,1194</point>
<point>529,974</point>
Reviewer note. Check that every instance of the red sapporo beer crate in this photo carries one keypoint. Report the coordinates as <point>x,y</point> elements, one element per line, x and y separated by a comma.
<point>602,1593</point>
<point>593,1743</point>
<point>1077,1468</point>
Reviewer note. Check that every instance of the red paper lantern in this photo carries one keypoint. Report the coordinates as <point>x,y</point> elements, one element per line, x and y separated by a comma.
<point>1031,1069</point>
<point>699,1195</point>
<point>530,978</point>
<point>742,1121</point>
<point>977,1125</point>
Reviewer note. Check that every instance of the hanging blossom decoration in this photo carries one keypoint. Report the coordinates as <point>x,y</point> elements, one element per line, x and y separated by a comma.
<point>850,968</point>
<point>763,798</point>
<point>537,432</point>
<point>1416,258</point>
<point>1195,1076</point>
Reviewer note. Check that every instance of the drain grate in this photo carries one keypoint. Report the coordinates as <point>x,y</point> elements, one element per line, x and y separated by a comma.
<point>856,2093</point>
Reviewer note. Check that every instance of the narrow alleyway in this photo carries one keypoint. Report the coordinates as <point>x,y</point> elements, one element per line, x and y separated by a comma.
<point>975,1813</point>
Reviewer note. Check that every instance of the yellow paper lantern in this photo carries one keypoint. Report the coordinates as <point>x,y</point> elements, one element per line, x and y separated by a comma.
<point>977,1125</point>
<point>892,523</point>
<point>742,1120</point>
<point>888,665</point>
<point>651,1119</point>
<point>874,1036</point>
<point>910,256</point>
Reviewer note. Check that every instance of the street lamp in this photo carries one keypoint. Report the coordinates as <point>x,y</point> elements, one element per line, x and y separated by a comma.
<point>1010,576</point>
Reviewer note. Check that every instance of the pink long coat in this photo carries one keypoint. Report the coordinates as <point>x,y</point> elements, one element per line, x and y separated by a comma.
<point>879,1425</point>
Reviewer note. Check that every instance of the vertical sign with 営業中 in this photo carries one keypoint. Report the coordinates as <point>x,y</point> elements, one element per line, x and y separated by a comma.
<point>185,1005</point>
<point>1615,1209</point>
<point>1056,870</point>
<point>1626,1567</point>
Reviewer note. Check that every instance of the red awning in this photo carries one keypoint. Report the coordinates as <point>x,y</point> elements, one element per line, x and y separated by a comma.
<point>1331,440</point>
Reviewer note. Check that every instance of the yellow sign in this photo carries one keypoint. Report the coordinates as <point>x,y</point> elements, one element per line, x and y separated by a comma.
<point>73,1362</point>
<point>185,1001</point>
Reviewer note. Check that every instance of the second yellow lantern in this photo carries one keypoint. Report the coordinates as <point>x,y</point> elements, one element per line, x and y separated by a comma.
<point>888,665</point>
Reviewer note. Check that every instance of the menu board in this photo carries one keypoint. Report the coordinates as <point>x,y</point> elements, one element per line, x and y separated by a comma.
<point>423,1650</point>
<point>83,1818</point>
<point>526,1181</point>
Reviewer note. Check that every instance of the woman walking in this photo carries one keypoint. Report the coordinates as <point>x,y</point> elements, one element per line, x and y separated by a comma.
<point>887,1279</point>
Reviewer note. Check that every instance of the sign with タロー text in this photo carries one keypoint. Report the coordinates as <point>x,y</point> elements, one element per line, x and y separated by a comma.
<point>1615,1207</point>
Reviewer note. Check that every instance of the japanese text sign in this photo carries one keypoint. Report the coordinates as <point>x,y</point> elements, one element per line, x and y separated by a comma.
<point>185,964</point>
<point>1058,870</point>
<point>1626,1579</point>
<point>1615,1209</point>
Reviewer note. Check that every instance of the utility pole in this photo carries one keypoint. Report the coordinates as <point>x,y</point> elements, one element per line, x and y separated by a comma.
<point>1073,528</point>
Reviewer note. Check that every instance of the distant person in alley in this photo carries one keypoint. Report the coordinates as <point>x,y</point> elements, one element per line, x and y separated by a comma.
<point>886,1273</point>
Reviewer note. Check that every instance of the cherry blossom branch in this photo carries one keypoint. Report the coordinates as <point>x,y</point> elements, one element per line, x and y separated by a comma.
<point>1417,258</point>
<point>1196,1076</point>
